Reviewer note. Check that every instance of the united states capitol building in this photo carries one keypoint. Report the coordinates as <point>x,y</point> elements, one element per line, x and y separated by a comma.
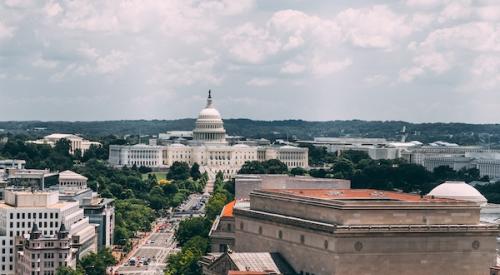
<point>209,148</point>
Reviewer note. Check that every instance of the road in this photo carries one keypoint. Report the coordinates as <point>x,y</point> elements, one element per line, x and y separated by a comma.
<point>160,243</point>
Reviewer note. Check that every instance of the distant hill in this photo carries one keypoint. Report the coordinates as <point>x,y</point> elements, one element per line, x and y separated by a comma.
<point>461,133</point>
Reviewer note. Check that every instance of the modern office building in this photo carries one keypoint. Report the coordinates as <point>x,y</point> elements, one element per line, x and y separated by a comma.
<point>21,209</point>
<point>100,211</point>
<point>39,254</point>
<point>324,231</point>
<point>208,147</point>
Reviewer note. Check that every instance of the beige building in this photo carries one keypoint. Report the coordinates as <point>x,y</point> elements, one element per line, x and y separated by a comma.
<point>21,210</point>
<point>222,233</point>
<point>76,142</point>
<point>209,148</point>
<point>325,231</point>
<point>39,254</point>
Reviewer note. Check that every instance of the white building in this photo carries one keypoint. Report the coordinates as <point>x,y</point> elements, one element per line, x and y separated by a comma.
<point>209,148</point>
<point>22,208</point>
<point>70,180</point>
<point>77,143</point>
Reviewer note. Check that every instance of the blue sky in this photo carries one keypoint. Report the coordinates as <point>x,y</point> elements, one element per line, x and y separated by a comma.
<point>413,60</point>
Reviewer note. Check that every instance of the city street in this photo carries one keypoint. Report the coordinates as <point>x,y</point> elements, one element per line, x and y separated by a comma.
<point>156,247</point>
<point>160,243</point>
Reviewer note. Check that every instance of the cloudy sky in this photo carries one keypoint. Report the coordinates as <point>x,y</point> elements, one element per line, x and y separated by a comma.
<point>414,60</point>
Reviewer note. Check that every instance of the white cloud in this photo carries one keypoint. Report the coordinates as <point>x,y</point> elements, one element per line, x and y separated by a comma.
<point>174,73</point>
<point>475,36</point>
<point>6,31</point>
<point>489,13</point>
<point>250,44</point>
<point>292,68</point>
<point>322,67</point>
<point>408,75</point>
<point>423,3</point>
<point>41,62</point>
<point>52,9</point>
<point>260,82</point>
<point>486,72</point>
<point>228,7</point>
<point>375,27</point>
<point>375,79</point>
<point>455,10</point>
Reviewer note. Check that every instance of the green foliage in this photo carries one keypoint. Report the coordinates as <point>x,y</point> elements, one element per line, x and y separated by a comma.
<point>186,261</point>
<point>215,205</point>
<point>189,228</point>
<point>298,171</point>
<point>64,270</point>
<point>39,156</point>
<point>179,171</point>
<point>97,263</point>
<point>195,171</point>
<point>131,216</point>
<point>272,166</point>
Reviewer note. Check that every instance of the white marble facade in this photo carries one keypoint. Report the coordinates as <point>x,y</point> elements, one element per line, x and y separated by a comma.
<point>208,148</point>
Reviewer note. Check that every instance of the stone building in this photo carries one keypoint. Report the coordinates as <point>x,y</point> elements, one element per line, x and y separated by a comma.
<point>326,231</point>
<point>76,142</point>
<point>22,209</point>
<point>264,263</point>
<point>39,254</point>
<point>222,233</point>
<point>209,148</point>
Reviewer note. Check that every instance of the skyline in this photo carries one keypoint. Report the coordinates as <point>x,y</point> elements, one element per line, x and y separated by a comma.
<point>409,60</point>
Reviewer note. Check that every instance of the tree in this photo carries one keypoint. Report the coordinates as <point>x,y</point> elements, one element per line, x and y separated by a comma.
<point>66,270</point>
<point>97,263</point>
<point>192,227</point>
<point>215,205</point>
<point>252,167</point>
<point>195,171</point>
<point>178,171</point>
<point>186,261</point>
<point>343,168</point>
<point>144,170</point>
<point>298,171</point>
<point>275,166</point>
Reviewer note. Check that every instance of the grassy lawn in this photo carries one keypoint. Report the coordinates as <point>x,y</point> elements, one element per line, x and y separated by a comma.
<point>158,175</point>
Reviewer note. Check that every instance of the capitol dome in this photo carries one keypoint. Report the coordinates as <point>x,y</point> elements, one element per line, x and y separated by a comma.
<point>209,125</point>
<point>458,190</point>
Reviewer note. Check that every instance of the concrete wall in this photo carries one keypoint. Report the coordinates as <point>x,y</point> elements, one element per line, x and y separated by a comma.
<point>245,184</point>
<point>314,251</point>
<point>359,214</point>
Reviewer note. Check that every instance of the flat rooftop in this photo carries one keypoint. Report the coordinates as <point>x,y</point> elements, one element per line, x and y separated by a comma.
<point>358,195</point>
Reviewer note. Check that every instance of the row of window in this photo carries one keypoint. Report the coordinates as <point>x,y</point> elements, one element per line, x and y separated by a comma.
<point>34,215</point>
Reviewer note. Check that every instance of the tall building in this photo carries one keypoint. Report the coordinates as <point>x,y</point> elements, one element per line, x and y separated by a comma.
<point>100,211</point>
<point>324,231</point>
<point>39,254</point>
<point>22,209</point>
<point>208,147</point>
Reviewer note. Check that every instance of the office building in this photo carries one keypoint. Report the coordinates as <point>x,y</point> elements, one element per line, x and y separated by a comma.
<point>324,231</point>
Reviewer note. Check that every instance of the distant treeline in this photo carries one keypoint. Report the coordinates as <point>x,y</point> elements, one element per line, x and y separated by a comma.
<point>461,133</point>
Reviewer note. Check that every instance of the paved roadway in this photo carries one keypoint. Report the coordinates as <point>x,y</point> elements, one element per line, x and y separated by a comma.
<point>160,243</point>
<point>157,246</point>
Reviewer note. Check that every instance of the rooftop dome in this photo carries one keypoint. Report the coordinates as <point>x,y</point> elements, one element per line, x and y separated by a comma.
<point>458,190</point>
<point>209,125</point>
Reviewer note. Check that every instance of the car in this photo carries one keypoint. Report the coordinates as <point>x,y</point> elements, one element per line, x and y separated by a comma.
<point>152,242</point>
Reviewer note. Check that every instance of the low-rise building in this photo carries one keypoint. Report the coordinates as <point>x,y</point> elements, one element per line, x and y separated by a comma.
<point>39,254</point>
<point>264,263</point>
<point>326,231</point>
<point>76,142</point>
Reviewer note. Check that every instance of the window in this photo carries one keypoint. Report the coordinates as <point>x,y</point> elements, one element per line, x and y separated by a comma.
<point>280,234</point>
<point>229,227</point>
<point>241,226</point>
<point>260,230</point>
<point>302,239</point>
<point>326,244</point>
